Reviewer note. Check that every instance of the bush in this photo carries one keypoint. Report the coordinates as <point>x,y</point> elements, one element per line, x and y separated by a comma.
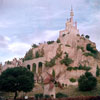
<point>46,96</point>
<point>50,63</point>
<point>61,95</point>
<point>50,42</point>
<point>67,45</point>
<point>87,82</point>
<point>87,36</point>
<point>29,55</point>
<point>58,40</point>
<point>91,49</point>
<point>67,61</point>
<point>79,47</point>
<point>63,35</point>
<point>38,96</point>
<point>97,71</point>
<point>70,68</point>
<point>90,54</point>
<point>34,46</point>
<point>86,68</point>
<point>72,80</point>
<point>37,55</point>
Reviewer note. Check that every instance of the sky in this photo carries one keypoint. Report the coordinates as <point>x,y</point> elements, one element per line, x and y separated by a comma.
<point>24,22</point>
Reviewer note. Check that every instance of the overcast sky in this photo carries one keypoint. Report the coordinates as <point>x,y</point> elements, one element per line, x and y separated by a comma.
<point>24,22</point>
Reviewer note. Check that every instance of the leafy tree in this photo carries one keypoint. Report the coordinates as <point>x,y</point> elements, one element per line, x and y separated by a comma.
<point>87,82</point>
<point>16,79</point>
<point>87,36</point>
<point>97,71</point>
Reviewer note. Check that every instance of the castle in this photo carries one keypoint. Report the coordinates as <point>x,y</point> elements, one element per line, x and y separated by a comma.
<point>69,41</point>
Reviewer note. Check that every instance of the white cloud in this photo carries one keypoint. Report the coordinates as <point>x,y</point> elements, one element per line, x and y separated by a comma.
<point>19,48</point>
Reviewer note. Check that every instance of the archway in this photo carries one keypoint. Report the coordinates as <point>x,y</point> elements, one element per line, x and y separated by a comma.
<point>28,67</point>
<point>34,68</point>
<point>40,64</point>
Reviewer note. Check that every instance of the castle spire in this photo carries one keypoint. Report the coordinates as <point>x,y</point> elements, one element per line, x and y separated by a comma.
<point>71,13</point>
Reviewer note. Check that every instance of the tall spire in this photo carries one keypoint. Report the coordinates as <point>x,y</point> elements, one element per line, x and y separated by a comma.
<point>71,13</point>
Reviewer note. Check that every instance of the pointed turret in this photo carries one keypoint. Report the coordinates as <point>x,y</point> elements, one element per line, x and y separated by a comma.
<point>71,13</point>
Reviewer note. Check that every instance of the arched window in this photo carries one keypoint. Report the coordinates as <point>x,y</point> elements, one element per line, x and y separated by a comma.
<point>40,64</point>
<point>28,67</point>
<point>34,68</point>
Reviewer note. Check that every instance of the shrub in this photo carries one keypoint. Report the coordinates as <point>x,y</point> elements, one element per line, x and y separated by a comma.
<point>34,46</point>
<point>67,61</point>
<point>91,49</point>
<point>70,68</point>
<point>46,96</point>
<point>87,36</point>
<point>37,55</point>
<point>87,68</point>
<point>50,63</point>
<point>87,82</point>
<point>50,42</point>
<point>58,40</point>
<point>97,71</point>
<point>63,35</point>
<point>29,55</point>
<point>72,80</point>
<point>79,47</point>
<point>61,95</point>
<point>38,96</point>
<point>67,45</point>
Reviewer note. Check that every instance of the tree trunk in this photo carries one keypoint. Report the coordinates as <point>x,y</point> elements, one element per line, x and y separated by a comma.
<point>15,95</point>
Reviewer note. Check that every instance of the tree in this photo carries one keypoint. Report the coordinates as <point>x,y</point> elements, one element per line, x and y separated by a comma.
<point>87,82</point>
<point>16,79</point>
<point>87,36</point>
<point>97,71</point>
<point>29,55</point>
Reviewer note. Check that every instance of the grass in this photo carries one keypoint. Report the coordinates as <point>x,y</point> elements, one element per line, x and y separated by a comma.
<point>71,91</point>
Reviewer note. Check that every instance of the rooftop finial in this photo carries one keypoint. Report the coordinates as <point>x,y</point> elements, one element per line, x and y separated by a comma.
<point>71,13</point>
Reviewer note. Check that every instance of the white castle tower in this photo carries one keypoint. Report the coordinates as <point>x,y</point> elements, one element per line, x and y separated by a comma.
<point>71,26</point>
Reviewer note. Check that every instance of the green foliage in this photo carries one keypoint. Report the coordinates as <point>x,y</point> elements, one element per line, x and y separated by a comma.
<point>67,45</point>
<point>61,95</point>
<point>58,55</point>
<point>91,49</point>
<point>58,40</point>
<point>50,42</point>
<point>46,96</point>
<point>37,55</point>
<point>50,63</point>
<point>86,68</point>
<point>63,35</point>
<point>53,73</point>
<point>72,80</point>
<point>67,61</point>
<point>90,54</point>
<point>29,55</point>
<point>87,82</point>
<point>16,79</point>
<point>79,47</point>
<point>34,46</point>
<point>8,62</point>
<point>97,71</point>
<point>87,36</point>
<point>38,96</point>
